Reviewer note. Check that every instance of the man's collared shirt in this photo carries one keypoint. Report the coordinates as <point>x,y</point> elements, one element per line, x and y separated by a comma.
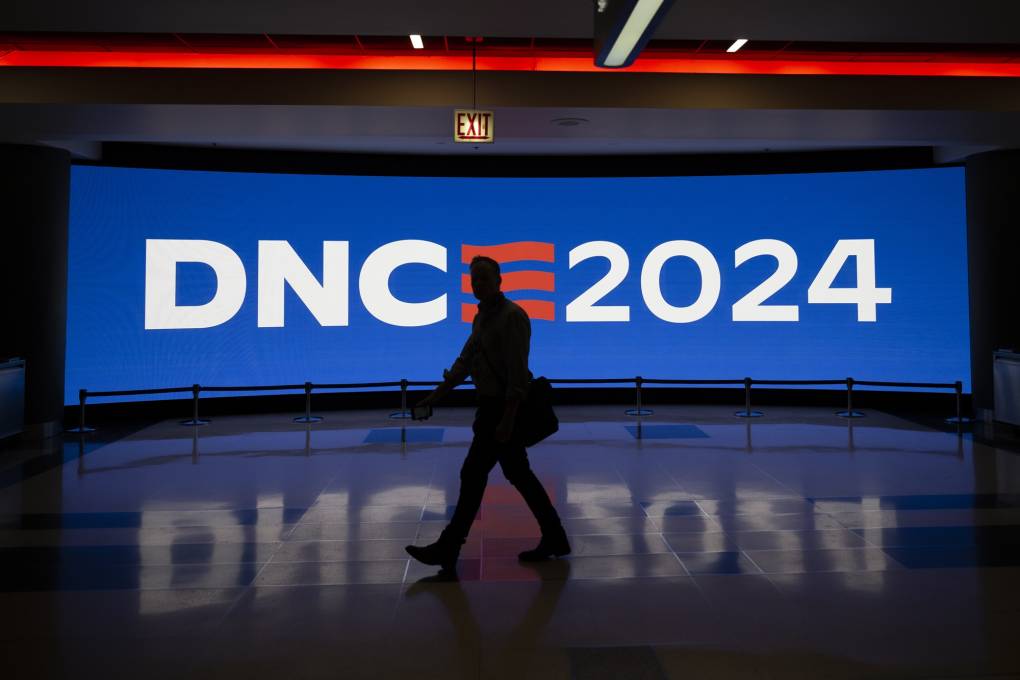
<point>496,353</point>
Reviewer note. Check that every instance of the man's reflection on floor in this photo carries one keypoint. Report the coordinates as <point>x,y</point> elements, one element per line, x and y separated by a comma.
<point>513,651</point>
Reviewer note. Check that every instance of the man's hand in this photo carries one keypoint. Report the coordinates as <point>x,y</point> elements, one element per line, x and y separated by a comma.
<point>431,399</point>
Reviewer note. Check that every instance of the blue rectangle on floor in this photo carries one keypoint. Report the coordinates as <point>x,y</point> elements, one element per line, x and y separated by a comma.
<point>981,501</point>
<point>395,435</point>
<point>133,520</point>
<point>984,537</point>
<point>956,557</point>
<point>666,432</point>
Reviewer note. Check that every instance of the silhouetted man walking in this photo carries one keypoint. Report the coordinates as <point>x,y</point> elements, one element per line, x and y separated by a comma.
<point>496,357</point>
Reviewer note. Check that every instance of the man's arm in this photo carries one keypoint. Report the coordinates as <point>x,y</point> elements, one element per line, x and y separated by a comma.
<point>457,374</point>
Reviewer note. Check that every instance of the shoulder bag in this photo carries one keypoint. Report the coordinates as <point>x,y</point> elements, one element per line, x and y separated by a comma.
<point>536,419</point>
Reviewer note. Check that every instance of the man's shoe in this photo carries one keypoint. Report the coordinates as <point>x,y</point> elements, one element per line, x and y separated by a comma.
<point>438,554</point>
<point>555,545</point>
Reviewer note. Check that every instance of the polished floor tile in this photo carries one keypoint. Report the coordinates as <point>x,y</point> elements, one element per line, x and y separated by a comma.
<point>619,544</point>
<point>614,662</point>
<point>357,531</point>
<point>331,573</point>
<point>795,546</point>
<point>798,540</point>
<point>340,551</point>
<point>666,432</point>
<point>790,522</point>
<point>392,435</point>
<point>729,562</point>
<point>767,506</point>
<point>57,577</point>
<point>701,542</point>
<point>837,559</point>
<point>671,508</point>
<point>106,614</point>
<point>625,566</point>
<point>676,524</point>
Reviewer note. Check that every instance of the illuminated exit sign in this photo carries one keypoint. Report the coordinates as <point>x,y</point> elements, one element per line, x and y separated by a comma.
<point>472,126</point>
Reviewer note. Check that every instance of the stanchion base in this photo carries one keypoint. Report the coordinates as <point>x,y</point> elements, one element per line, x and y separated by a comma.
<point>849,414</point>
<point>308,419</point>
<point>958,421</point>
<point>400,415</point>
<point>191,422</point>
<point>639,412</point>
<point>81,430</point>
<point>749,414</point>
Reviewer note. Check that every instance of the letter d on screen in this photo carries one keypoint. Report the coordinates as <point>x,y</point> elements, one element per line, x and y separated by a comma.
<point>161,308</point>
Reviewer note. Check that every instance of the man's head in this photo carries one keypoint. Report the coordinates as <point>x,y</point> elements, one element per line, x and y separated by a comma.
<point>485,277</point>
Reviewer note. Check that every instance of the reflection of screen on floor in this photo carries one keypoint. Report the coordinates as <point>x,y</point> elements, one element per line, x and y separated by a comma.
<point>421,412</point>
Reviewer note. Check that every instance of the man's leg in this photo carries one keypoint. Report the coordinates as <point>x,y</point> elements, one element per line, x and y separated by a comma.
<point>554,543</point>
<point>474,474</point>
<point>514,461</point>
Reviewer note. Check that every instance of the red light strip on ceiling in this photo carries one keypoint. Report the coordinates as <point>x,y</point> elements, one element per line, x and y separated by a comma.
<point>564,64</point>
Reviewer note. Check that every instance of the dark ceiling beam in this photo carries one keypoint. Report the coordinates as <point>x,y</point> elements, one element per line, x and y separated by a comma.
<point>503,89</point>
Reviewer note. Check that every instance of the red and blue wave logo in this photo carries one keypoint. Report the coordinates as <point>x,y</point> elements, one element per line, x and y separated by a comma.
<point>515,281</point>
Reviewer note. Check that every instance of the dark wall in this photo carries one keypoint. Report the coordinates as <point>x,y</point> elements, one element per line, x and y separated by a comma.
<point>993,258</point>
<point>162,156</point>
<point>34,193</point>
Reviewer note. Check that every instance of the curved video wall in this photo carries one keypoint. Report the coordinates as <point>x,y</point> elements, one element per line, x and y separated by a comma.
<point>178,277</point>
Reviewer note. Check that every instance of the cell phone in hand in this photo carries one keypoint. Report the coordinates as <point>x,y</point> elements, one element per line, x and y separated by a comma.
<point>421,412</point>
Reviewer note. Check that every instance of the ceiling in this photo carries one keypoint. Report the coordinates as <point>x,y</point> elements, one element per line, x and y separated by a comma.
<point>891,21</point>
<point>605,113</point>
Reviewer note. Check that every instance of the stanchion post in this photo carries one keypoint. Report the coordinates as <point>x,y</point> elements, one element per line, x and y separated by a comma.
<point>81,456</point>
<point>958,388</point>
<point>403,413</point>
<point>849,412</point>
<point>82,428</point>
<point>195,420</point>
<point>747,412</point>
<point>638,410</point>
<point>308,417</point>
<point>958,420</point>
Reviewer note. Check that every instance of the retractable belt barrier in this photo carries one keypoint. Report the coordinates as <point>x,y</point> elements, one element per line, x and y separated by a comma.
<point>639,382</point>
